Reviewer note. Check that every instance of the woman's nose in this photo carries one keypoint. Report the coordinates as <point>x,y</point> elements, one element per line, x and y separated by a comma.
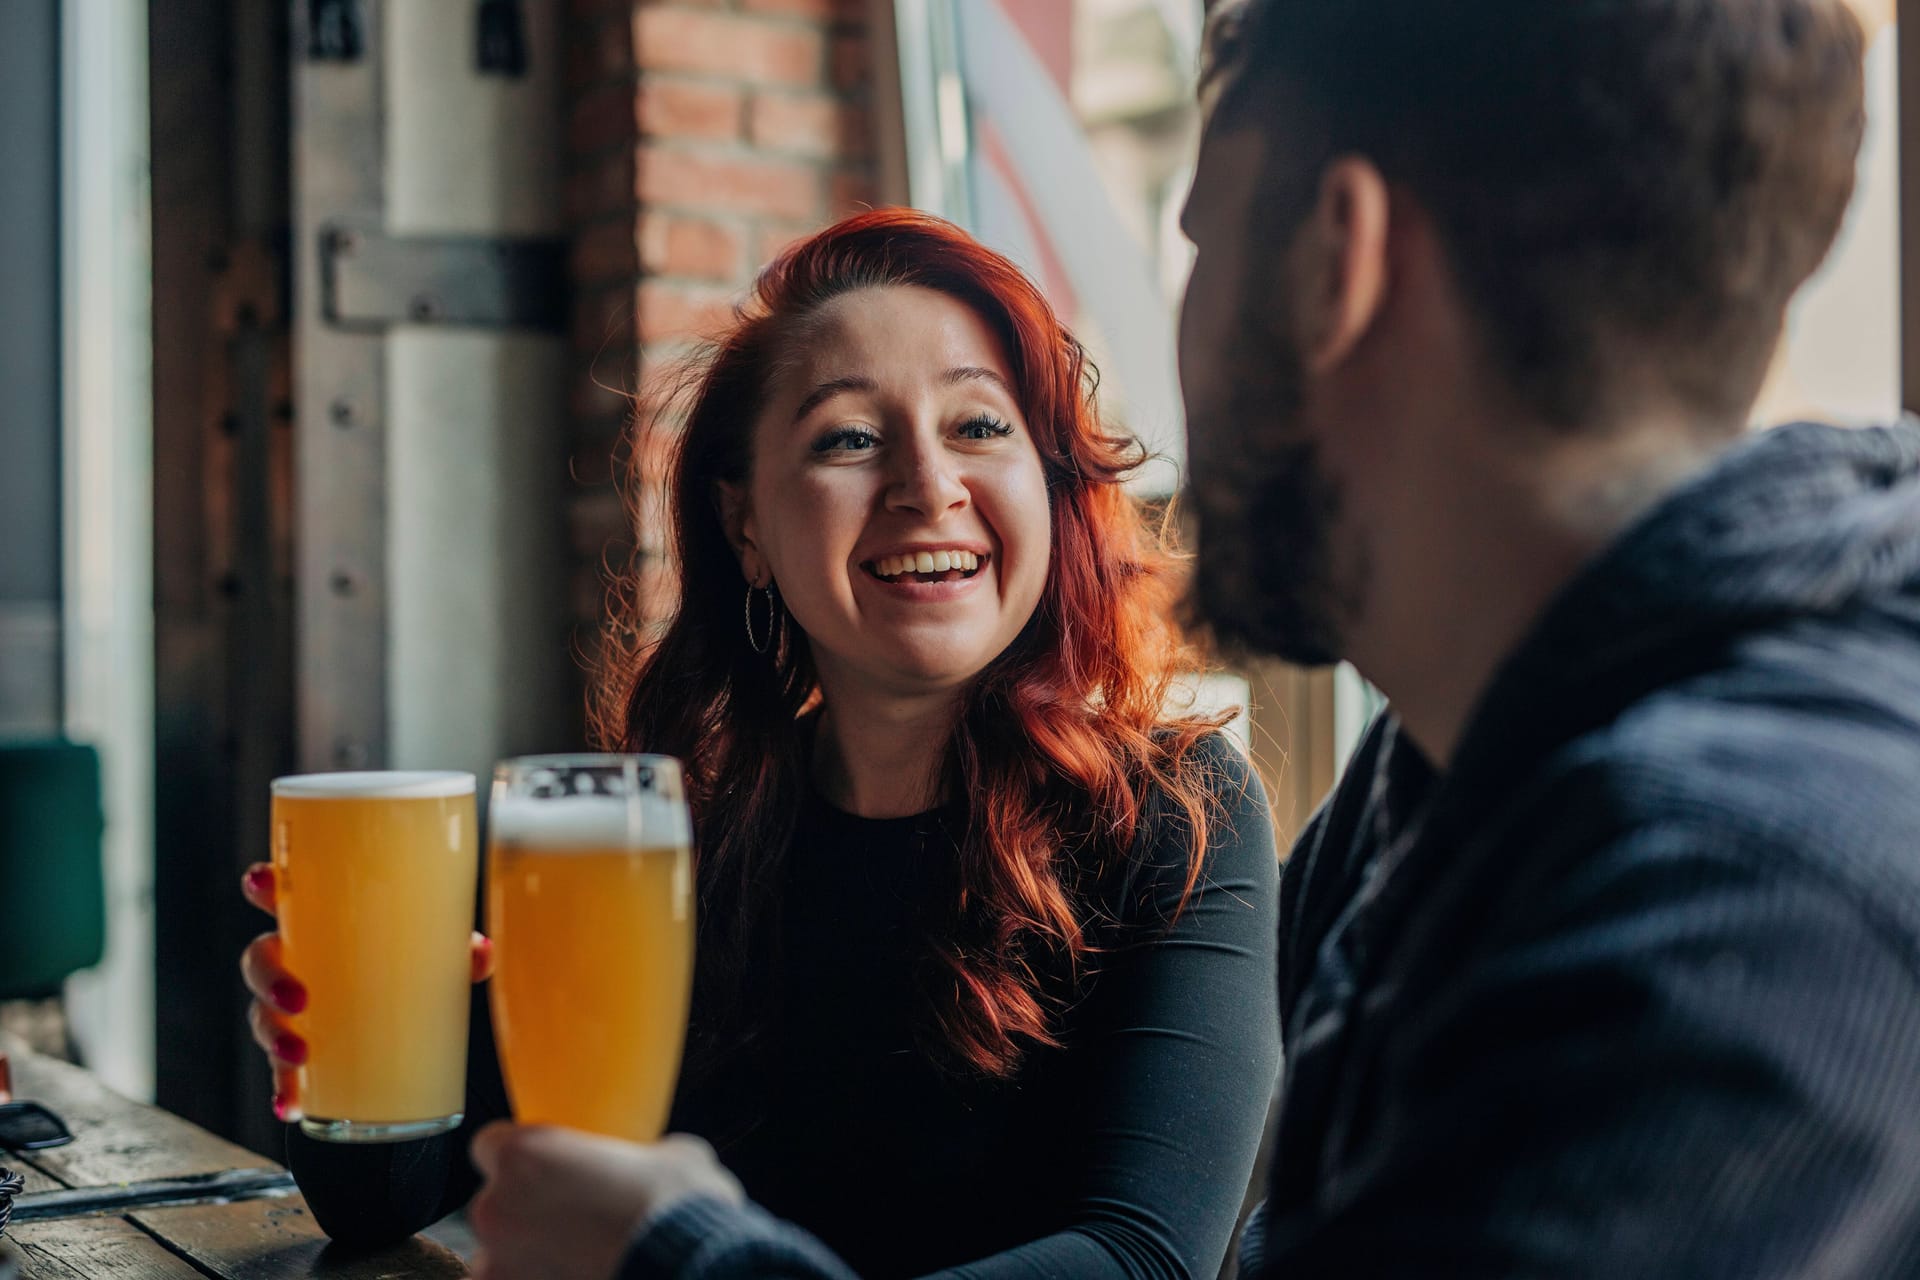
<point>927,483</point>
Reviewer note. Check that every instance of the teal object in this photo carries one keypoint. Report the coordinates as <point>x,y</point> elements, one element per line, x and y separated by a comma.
<point>53,901</point>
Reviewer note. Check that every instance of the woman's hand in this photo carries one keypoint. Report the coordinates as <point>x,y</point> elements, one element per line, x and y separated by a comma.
<point>564,1205</point>
<point>278,995</point>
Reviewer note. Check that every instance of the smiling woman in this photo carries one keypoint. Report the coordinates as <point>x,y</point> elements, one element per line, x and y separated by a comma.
<point>980,925</point>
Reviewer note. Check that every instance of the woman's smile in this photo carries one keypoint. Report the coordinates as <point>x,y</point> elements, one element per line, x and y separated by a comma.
<point>926,574</point>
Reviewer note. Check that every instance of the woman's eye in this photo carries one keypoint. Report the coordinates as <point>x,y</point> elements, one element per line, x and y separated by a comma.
<point>846,440</point>
<point>984,427</point>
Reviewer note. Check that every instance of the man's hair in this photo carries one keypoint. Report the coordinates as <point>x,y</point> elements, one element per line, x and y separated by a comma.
<point>1630,191</point>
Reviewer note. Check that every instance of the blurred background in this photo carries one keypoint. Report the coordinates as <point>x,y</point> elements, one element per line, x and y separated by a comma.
<point>320,325</point>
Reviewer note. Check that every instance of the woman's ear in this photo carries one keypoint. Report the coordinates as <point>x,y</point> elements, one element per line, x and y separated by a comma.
<point>736,519</point>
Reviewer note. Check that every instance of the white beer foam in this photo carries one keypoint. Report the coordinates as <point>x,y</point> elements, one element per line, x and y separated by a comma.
<point>383,784</point>
<point>588,822</point>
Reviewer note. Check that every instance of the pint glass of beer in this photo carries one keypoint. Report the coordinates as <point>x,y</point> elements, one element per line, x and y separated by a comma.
<point>590,904</point>
<point>374,875</point>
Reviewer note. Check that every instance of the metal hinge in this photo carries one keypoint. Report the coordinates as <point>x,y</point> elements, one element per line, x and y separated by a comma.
<point>370,281</point>
<point>336,31</point>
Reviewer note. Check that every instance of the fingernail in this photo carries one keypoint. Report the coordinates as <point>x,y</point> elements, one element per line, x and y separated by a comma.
<point>259,879</point>
<point>289,1047</point>
<point>289,995</point>
<point>285,1109</point>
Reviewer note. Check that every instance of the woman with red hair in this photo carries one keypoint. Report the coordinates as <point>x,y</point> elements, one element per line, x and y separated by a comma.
<point>986,955</point>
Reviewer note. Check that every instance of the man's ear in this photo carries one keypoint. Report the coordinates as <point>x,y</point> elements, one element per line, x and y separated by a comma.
<point>1339,262</point>
<point>736,519</point>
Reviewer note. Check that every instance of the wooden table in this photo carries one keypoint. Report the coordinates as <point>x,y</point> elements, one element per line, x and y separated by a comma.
<point>118,1141</point>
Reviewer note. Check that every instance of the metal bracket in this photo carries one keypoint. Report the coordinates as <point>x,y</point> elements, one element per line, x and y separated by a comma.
<point>336,31</point>
<point>500,44</point>
<point>371,281</point>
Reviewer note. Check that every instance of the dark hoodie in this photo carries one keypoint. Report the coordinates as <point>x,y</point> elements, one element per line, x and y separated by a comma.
<point>1633,990</point>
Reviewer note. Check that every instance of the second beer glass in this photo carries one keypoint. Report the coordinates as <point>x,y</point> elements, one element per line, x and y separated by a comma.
<point>590,904</point>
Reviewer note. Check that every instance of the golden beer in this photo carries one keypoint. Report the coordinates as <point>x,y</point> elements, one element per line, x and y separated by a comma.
<point>374,875</point>
<point>590,904</point>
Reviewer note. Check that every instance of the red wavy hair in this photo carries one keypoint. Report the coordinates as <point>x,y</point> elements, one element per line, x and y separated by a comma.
<point>1060,741</point>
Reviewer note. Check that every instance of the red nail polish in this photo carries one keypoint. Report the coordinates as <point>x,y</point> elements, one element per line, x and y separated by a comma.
<point>283,1110</point>
<point>289,995</point>
<point>260,879</point>
<point>290,1048</point>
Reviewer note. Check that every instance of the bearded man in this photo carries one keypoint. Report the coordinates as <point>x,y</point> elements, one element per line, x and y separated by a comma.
<point>1603,959</point>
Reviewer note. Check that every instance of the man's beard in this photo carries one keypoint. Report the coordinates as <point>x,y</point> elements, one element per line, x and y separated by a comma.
<point>1265,580</point>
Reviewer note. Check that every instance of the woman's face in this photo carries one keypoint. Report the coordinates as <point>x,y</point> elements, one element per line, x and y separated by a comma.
<point>897,498</point>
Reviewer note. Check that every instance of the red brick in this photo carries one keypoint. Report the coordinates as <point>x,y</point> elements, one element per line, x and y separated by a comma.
<point>818,10</point>
<point>776,238</point>
<point>667,309</point>
<point>652,517</point>
<point>852,62</point>
<point>691,109</point>
<point>850,192</point>
<point>732,184</point>
<point>809,124</point>
<point>656,589</point>
<point>655,440</point>
<point>670,374</point>
<point>604,186</point>
<point>750,49</point>
<point>677,245</point>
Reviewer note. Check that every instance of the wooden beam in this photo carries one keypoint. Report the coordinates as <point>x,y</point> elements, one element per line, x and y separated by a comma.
<point>222,512</point>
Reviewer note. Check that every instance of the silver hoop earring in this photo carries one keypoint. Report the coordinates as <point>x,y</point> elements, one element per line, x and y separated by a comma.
<point>773,618</point>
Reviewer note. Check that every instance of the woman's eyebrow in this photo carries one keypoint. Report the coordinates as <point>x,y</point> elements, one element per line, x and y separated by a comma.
<point>973,373</point>
<point>831,388</point>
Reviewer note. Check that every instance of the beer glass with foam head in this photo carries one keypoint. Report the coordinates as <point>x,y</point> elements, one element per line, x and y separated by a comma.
<point>590,904</point>
<point>374,876</point>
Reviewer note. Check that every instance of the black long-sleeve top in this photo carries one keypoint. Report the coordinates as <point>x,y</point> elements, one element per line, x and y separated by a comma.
<point>1125,1153</point>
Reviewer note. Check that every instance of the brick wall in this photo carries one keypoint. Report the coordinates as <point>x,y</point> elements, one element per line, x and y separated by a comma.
<point>702,136</point>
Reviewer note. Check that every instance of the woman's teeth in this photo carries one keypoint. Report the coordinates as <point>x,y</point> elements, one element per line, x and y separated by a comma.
<point>921,562</point>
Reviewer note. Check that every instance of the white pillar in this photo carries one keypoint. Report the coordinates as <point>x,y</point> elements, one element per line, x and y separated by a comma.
<point>107,498</point>
<point>476,426</point>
